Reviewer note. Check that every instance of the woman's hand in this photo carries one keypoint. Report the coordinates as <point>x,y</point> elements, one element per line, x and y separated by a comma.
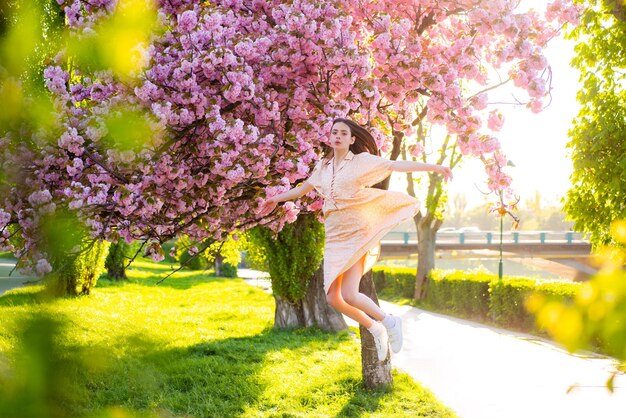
<point>267,206</point>
<point>446,172</point>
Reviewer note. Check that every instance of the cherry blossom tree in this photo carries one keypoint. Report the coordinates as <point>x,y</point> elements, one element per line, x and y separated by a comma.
<point>224,103</point>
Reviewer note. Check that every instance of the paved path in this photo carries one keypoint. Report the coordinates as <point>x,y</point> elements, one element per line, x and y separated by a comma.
<point>485,372</point>
<point>15,280</point>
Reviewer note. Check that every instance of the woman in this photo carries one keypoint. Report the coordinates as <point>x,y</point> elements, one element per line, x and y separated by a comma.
<point>356,217</point>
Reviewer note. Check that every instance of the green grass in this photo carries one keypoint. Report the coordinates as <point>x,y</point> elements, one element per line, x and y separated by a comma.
<point>194,346</point>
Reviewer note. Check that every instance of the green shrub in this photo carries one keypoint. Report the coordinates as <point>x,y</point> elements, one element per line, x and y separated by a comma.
<point>77,274</point>
<point>378,277</point>
<point>292,256</point>
<point>120,253</point>
<point>197,262</point>
<point>229,251</point>
<point>167,247</point>
<point>508,299</point>
<point>476,295</point>
<point>399,281</point>
<point>460,292</point>
<point>507,302</point>
<point>229,270</point>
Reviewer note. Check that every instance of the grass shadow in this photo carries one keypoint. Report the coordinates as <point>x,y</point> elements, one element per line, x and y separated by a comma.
<point>147,273</point>
<point>363,401</point>
<point>179,283</point>
<point>141,374</point>
<point>216,378</point>
<point>26,295</point>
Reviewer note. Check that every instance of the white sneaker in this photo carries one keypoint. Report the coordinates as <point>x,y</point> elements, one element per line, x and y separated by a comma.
<point>382,343</point>
<point>395,335</point>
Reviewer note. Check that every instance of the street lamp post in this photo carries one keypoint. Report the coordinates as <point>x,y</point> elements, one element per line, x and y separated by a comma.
<point>500,268</point>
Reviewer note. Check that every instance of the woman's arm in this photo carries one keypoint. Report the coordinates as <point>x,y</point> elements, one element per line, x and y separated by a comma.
<point>270,204</point>
<point>408,166</point>
<point>294,193</point>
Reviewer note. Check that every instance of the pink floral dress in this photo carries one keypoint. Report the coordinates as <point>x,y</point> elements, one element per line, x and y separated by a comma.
<point>357,216</point>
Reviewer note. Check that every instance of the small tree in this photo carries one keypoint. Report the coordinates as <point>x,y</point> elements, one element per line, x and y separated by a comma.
<point>117,259</point>
<point>74,260</point>
<point>224,256</point>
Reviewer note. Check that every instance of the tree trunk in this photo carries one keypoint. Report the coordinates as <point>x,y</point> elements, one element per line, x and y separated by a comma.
<point>426,236</point>
<point>619,10</point>
<point>312,310</point>
<point>219,261</point>
<point>117,272</point>
<point>376,374</point>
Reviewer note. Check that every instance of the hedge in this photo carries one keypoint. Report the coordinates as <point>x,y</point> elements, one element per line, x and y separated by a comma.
<point>397,280</point>
<point>507,298</point>
<point>459,292</point>
<point>476,295</point>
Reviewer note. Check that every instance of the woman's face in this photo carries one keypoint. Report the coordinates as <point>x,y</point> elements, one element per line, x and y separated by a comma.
<point>340,136</point>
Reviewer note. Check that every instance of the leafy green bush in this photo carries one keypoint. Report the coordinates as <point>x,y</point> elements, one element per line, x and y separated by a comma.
<point>78,274</point>
<point>229,270</point>
<point>120,253</point>
<point>477,295</point>
<point>167,247</point>
<point>507,302</point>
<point>594,317</point>
<point>399,281</point>
<point>508,299</point>
<point>230,252</point>
<point>460,292</point>
<point>197,262</point>
<point>292,255</point>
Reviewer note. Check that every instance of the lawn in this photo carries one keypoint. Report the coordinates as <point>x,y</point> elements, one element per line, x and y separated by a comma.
<point>194,346</point>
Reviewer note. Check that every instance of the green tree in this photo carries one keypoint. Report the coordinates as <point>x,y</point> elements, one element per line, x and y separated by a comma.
<point>595,319</point>
<point>224,256</point>
<point>120,253</point>
<point>598,137</point>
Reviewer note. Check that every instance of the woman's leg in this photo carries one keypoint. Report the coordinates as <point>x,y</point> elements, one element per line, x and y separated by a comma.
<point>352,296</point>
<point>335,300</point>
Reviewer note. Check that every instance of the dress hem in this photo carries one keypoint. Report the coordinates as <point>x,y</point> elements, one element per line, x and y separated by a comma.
<point>374,242</point>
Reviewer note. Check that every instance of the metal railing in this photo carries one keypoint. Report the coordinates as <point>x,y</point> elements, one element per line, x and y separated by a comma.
<point>491,237</point>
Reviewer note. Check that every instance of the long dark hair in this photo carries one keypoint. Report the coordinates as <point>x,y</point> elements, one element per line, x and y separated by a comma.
<point>364,140</point>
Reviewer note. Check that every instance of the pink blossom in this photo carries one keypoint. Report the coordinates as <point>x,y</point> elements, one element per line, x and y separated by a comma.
<point>43,267</point>
<point>537,88</point>
<point>40,197</point>
<point>536,106</point>
<point>5,218</point>
<point>480,101</point>
<point>291,212</point>
<point>239,99</point>
<point>495,121</point>
<point>75,168</point>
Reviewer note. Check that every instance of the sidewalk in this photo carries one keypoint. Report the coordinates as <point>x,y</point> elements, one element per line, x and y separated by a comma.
<point>15,280</point>
<point>485,372</point>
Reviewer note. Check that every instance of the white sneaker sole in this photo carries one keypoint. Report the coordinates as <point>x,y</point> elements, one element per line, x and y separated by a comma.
<point>385,347</point>
<point>396,344</point>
